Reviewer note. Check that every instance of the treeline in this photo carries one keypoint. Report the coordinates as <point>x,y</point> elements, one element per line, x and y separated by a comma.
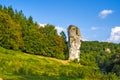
<point>104,55</point>
<point>20,33</point>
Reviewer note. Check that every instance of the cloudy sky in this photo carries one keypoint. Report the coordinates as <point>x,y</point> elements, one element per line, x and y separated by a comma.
<point>97,19</point>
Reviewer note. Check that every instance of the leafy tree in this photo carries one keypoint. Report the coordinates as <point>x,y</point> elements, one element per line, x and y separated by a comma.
<point>54,43</point>
<point>10,33</point>
<point>0,7</point>
<point>62,34</point>
<point>5,10</point>
<point>30,20</point>
<point>65,43</point>
<point>10,11</point>
<point>116,69</point>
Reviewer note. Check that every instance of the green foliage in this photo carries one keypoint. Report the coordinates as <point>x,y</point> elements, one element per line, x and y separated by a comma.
<point>116,69</point>
<point>16,65</point>
<point>65,44</point>
<point>75,61</point>
<point>114,64</point>
<point>94,54</point>
<point>18,32</point>
<point>10,33</point>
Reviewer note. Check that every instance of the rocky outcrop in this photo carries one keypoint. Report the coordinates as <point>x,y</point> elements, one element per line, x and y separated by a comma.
<point>74,42</point>
<point>108,50</point>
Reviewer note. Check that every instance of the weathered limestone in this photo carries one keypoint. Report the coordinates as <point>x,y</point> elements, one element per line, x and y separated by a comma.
<point>108,50</point>
<point>74,42</point>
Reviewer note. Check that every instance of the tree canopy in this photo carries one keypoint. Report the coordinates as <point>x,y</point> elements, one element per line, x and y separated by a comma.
<point>20,33</point>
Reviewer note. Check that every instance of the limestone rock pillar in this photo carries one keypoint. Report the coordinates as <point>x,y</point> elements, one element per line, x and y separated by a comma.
<point>74,42</point>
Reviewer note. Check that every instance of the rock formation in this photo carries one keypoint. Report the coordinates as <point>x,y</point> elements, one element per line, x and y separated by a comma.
<point>108,50</point>
<point>74,42</point>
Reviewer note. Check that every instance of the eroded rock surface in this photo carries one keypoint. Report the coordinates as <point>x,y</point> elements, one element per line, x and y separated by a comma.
<point>74,42</point>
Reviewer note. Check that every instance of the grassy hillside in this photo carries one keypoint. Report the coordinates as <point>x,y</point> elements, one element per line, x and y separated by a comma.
<point>15,65</point>
<point>98,60</point>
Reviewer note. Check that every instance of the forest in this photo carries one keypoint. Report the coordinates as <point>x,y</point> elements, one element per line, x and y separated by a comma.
<point>19,33</point>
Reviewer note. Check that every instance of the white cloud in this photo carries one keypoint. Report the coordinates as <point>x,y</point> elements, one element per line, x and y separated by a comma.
<point>59,29</point>
<point>84,39</point>
<point>115,35</point>
<point>94,28</point>
<point>42,24</point>
<point>104,13</point>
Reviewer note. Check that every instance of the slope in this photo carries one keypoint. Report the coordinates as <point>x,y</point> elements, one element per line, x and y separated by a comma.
<point>15,65</point>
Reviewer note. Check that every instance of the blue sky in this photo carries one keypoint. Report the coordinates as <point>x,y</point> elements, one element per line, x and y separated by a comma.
<point>97,19</point>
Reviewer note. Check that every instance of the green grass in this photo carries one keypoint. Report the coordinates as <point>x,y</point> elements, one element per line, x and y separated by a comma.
<point>15,65</point>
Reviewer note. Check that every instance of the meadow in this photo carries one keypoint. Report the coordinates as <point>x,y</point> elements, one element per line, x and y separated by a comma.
<point>16,65</point>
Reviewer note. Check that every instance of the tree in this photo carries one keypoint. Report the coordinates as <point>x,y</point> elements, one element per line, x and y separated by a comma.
<point>30,21</point>
<point>5,9</point>
<point>0,7</point>
<point>53,42</point>
<point>10,33</point>
<point>63,36</point>
<point>11,11</point>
